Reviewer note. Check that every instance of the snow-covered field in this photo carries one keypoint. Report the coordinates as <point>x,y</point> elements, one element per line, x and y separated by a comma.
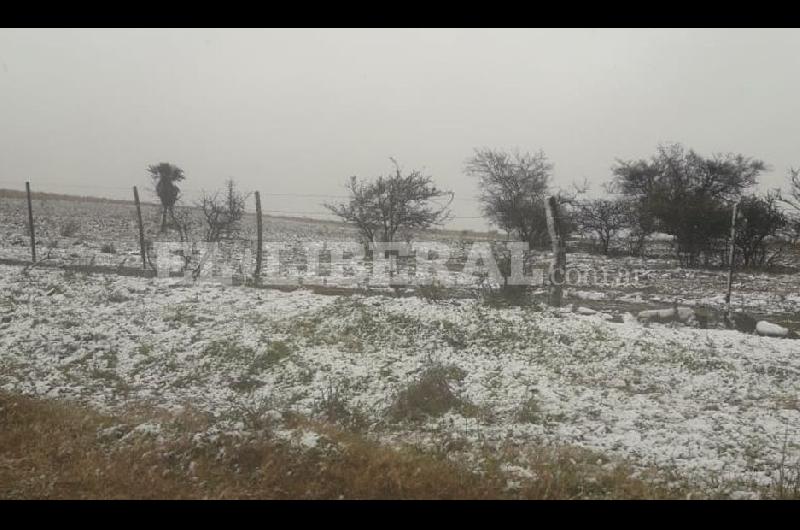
<point>710,405</point>
<point>718,408</point>
<point>656,281</point>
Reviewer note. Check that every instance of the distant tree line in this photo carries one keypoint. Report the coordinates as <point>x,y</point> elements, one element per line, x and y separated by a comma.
<point>676,191</point>
<point>690,197</point>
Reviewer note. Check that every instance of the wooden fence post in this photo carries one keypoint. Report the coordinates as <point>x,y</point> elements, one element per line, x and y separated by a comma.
<point>141,227</point>
<point>257,274</point>
<point>30,222</point>
<point>559,262</point>
<point>731,255</point>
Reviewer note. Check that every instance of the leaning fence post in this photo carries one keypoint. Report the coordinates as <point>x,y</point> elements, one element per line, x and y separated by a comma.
<point>141,227</point>
<point>257,274</point>
<point>559,261</point>
<point>731,252</point>
<point>30,222</point>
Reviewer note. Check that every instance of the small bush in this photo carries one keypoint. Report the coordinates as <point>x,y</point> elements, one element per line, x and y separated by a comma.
<point>429,395</point>
<point>257,415</point>
<point>333,408</point>
<point>276,352</point>
<point>108,248</point>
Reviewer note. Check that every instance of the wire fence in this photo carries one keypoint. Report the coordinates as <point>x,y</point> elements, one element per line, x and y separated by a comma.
<point>119,224</point>
<point>117,236</point>
<point>191,195</point>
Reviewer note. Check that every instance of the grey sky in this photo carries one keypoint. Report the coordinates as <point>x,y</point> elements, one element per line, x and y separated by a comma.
<point>298,111</point>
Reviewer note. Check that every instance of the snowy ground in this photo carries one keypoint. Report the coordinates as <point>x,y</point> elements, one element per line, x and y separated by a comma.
<point>656,281</point>
<point>708,404</point>
<point>711,405</point>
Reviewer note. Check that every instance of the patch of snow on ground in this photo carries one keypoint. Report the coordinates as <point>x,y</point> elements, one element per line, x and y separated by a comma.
<point>708,404</point>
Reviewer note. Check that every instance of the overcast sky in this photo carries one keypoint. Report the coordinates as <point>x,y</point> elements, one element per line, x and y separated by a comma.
<point>298,111</point>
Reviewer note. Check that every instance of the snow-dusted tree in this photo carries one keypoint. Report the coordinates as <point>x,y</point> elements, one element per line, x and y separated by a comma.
<point>793,198</point>
<point>223,212</point>
<point>513,188</point>
<point>383,207</point>
<point>603,218</point>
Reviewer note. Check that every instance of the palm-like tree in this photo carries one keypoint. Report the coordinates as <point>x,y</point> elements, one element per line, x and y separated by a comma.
<point>165,176</point>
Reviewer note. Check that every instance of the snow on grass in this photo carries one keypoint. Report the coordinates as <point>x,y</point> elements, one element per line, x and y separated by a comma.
<point>709,405</point>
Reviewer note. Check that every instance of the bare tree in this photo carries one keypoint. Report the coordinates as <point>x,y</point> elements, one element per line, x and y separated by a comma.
<point>382,207</point>
<point>223,212</point>
<point>165,177</point>
<point>793,199</point>
<point>513,188</point>
<point>761,223</point>
<point>603,218</point>
<point>637,218</point>
<point>182,220</point>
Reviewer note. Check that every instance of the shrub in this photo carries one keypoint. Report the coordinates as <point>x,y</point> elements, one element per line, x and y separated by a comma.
<point>276,351</point>
<point>223,214</point>
<point>333,408</point>
<point>429,395</point>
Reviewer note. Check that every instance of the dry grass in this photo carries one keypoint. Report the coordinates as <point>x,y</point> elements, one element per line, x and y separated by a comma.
<point>52,450</point>
<point>429,395</point>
